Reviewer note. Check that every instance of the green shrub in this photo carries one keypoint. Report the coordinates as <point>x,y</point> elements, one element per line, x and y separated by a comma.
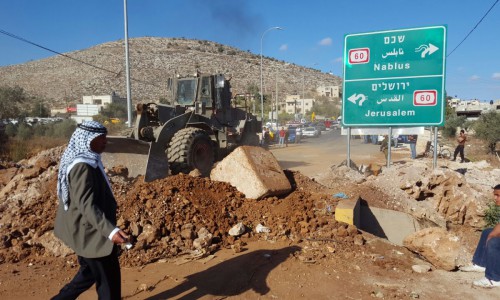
<point>11,130</point>
<point>24,132</point>
<point>492,215</point>
<point>62,129</point>
<point>451,124</point>
<point>487,128</point>
<point>18,150</point>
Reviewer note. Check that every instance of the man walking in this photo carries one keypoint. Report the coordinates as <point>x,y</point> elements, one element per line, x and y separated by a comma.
<point>86,218</point>
<point>460,147</point>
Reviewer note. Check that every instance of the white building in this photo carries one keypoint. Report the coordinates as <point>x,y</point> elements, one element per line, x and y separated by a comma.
<point>472,109</point>
<point>93,105</point>
<point>103,100</point>
<point>294,104</point>
<point>330,91</point>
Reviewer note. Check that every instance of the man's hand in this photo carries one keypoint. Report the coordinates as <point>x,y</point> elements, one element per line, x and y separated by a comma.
<point>494,233</point>
<point>120,237</point>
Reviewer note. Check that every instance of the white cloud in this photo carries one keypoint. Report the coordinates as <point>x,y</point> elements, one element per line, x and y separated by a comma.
<point>474,77</point>
<point>496,76</point>
<point>339,59</point>
<point>284,47</point>
<point>325,42</point>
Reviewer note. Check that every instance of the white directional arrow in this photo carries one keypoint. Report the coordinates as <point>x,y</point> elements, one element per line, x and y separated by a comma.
<point>432,49</point>
<point>427,49</point>
<point>355,97</point>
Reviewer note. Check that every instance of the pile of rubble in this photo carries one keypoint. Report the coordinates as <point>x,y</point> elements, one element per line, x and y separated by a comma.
<point>179,215</point>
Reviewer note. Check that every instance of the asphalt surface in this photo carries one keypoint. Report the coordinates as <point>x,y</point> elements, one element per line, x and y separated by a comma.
<point>316,155</point>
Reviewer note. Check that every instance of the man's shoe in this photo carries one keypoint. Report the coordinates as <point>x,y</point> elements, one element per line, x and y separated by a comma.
<point>473,268</point>
<point>453,159</point>
<point>462,161</point>
<point>486,283</point>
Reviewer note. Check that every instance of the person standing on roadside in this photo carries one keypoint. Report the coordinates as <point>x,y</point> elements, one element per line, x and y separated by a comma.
<point>460,147</point>
<point>86,217</point>
<point>384,146</point>
<point>287,135</point>
<point>412,140</point>
<point>282,135</point>
<point>487,255</point>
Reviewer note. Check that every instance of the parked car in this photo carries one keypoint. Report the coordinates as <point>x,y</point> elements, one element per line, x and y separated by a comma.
<point>335,125</point>
<point>292,135</point>
<point>310,132</point>
<point>320,126</point>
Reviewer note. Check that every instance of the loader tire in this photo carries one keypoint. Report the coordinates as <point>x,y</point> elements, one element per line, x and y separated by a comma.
<point>189,149</point>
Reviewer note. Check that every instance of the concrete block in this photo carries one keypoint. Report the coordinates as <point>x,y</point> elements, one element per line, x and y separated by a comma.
<point>253,171</point>
<point>348,211</point>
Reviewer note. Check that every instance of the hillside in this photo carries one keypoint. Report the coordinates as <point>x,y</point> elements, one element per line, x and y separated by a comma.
<point>152,61</point>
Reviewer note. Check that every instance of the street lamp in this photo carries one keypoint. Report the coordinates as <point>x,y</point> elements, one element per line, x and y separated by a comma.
<point>261,80</point>
<point>127,68</point>
<point>303,83</point>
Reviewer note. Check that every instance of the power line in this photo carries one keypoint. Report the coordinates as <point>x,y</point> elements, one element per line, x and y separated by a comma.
<point>473,28</point>
<point>67,56</point>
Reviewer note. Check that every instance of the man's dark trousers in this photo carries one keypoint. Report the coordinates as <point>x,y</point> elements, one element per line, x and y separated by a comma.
<point>103,271</point>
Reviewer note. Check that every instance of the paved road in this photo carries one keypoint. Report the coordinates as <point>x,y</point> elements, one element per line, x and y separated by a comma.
<point>316,155</point>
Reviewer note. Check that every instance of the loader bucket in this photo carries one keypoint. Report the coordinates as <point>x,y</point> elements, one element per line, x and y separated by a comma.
<point>127,152</point>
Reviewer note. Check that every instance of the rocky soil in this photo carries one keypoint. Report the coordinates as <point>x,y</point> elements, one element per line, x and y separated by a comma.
<point>188,218</point>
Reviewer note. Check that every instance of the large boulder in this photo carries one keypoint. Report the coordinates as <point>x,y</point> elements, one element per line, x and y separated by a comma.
<point>253,171</point>
<point>437,246</point>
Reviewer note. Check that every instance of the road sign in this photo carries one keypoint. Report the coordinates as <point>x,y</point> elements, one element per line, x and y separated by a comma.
<point>395,78</point>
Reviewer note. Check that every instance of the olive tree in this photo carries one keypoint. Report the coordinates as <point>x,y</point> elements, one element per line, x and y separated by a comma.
<point>11,101</point>
<point>487,128</point>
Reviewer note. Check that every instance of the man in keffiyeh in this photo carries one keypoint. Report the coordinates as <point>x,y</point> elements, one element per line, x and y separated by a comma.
<point>86,218</point>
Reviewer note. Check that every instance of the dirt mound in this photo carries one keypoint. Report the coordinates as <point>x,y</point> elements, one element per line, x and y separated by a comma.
<point>179,215</point>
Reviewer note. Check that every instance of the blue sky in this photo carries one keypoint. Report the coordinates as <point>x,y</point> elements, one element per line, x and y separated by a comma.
<point>313,32</point>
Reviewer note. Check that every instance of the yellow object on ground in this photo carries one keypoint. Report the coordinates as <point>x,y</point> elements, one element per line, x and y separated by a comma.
<point>348,211</point>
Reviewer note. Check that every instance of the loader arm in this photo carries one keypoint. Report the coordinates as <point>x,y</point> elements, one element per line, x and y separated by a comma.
<point>157,165</point>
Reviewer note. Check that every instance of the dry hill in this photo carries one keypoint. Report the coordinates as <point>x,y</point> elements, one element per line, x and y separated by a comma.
<point>152,61</point>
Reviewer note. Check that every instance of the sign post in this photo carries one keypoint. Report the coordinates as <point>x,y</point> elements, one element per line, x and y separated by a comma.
<point>394,78</point>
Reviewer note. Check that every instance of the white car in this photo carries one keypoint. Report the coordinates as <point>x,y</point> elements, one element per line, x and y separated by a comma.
<point>310,131</point>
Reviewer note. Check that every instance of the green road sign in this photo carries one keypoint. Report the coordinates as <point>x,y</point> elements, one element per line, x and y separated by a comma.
<point>394,78</point>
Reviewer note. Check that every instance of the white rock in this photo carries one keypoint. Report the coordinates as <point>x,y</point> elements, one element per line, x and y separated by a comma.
<point>237,230</point>
<point>421,268</point>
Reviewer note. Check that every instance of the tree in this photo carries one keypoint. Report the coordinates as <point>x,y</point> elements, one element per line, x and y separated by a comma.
<point>487,128</point>
<point>39,109</point>
<point>11,100</point>
<point>452,121</point>
<point>323,106</point>
<point>115,110</point>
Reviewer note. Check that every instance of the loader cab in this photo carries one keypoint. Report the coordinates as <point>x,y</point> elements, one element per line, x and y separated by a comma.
<point>186,91</point>
<point>207,91</point>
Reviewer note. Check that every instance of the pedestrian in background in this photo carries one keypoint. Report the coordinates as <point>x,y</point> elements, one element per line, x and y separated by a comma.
<point>412,140</point>
<point>287,135</point>
<point>282,134</point>
<point>86,217</point>
<point>460,147</point>
<point>384,146</point>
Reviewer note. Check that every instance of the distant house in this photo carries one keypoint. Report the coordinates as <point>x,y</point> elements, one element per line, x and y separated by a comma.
<point>294,104</point>
<point>330,91</point>
<point>93,105</point>
<point>472,109</point>
<point>104,100</point>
